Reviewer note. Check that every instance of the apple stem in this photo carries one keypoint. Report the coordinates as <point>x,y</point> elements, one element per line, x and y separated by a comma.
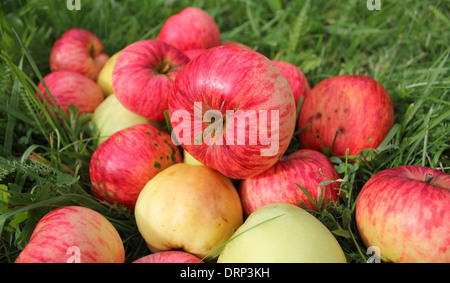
<point>165,69</point>
<point>429,177</point>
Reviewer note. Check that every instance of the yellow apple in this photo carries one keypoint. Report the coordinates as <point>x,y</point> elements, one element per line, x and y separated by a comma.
<point>282,233</point>
<point>111,116</point>
<point>189,159</point>
<point>104,79</point>
<point>189,207</point>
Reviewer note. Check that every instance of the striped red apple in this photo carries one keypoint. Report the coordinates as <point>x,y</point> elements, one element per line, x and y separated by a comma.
<point>295,77</point>
<point>122,165</point>
<point>192,28</point>
<point>67,87</point>
<point>405,212</point>
<point>80,51</point>
<point>73,234</point>
<point>280,183</point>
<point>233,111</point>
<point>143,75</point>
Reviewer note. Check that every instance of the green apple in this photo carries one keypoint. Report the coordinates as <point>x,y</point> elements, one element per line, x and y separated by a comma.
<point>282,233</point>
<point>111,116</point>
<point>189,159</point>
<point>188,207</point>
<point>104,79</point>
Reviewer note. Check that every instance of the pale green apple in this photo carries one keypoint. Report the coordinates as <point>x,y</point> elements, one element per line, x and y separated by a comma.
<point>111,116</point>
<point>282,233</point>
<point>104,79</point>
<point>189,159</point>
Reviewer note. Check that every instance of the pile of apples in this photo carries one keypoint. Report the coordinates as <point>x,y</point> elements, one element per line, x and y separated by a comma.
<point>201,191</point>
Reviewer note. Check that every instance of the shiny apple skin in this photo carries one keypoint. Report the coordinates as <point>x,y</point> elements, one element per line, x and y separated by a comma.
<point>229,78</point>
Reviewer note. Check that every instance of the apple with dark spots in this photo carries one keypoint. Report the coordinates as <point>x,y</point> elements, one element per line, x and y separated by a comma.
<point>122,165</point>
<point>73,234</point>
<point>405,212</point>
<point>351,112</point>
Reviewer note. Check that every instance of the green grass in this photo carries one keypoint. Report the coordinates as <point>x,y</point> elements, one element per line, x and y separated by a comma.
<point>44,164</point>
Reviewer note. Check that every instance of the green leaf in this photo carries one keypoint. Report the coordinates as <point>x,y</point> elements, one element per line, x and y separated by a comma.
<point>66,179</point>
<point>336,160</point>
<point>326,182</point>
<point>299,28</point>
<point>4,198</point>
<point>347,217</point>
<point>342,233</point>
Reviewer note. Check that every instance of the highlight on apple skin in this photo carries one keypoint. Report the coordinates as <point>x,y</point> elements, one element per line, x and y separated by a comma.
<point>73,234</point>
<point>280,183</point>
<point>80,51</point>
<point>143,75</point>
<point>351,112</point>
<point>404,211</point>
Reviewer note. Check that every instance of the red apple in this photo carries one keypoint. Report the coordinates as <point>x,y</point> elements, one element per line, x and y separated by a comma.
<point>122,165</point>
<point>233,111</point>
<point>278,184</point>
<point>67,87</point>
<point>192,28</point>
<point>80,51</point>
<point>192,53</point>
<point>169,257</point>
<point>143,76</point>
<point>236,43</point>
<point>73,234</point>
<point>404,211</point>
<point>295,77</point>
<point>348,112</point>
